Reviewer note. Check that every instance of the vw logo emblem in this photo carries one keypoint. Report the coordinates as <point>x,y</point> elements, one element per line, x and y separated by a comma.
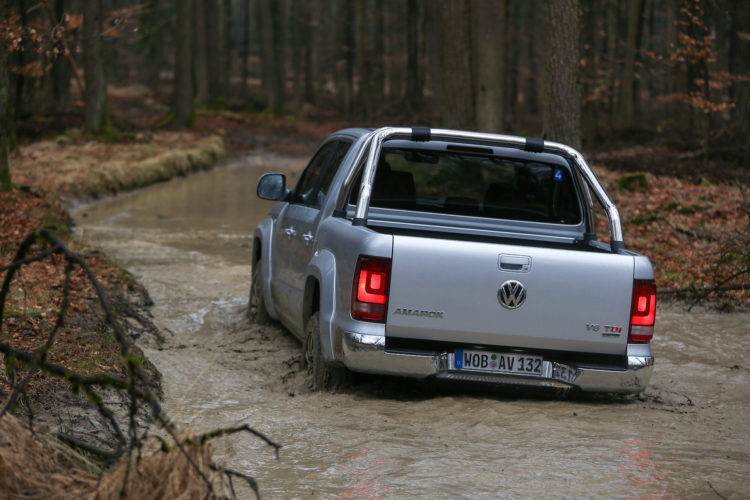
<point>511,295</point>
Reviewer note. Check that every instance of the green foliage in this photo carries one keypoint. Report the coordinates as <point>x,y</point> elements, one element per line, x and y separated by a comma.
<point>217,103</point>
<point>633,183</point>
<point>740,258</point>
<point>167,120</point>
<point>645,220</point>
<point>675,206</point>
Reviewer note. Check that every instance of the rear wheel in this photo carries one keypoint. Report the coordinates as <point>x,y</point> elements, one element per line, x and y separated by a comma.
<point>256,308</point>
<point>323,376</point>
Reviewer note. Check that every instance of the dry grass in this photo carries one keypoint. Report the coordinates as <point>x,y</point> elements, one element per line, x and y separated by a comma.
<point>36,466</point>
<point>162,475</point>
<point>87,168</point>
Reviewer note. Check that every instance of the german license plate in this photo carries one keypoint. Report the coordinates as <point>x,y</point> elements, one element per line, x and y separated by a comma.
<point>520,364</point>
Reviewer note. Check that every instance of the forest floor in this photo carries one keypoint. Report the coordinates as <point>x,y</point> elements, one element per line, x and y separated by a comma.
<point>692,221</point>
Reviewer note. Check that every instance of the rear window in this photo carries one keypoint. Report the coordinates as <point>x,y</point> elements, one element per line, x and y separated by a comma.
<point>474,185</point>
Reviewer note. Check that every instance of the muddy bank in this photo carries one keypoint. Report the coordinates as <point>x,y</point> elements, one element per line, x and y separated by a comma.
<point>188,242</point>
<point>51,406</point>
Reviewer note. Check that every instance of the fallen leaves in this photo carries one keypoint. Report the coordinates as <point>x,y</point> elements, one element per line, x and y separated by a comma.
<point>33,303</point>
<point>696,234</point>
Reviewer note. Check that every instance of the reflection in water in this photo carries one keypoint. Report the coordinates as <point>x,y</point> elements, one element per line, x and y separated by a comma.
<point>188,242</point>
<point>645,470</point>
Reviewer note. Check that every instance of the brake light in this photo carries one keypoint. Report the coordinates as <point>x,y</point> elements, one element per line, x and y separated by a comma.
<point>643,312</point>
<point>370,293</point>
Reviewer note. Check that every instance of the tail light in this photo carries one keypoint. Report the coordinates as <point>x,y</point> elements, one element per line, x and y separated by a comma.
<point>370,294</point>
<point>643,312</point>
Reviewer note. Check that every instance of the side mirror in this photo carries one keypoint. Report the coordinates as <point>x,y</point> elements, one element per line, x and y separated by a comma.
<point>272,187</point>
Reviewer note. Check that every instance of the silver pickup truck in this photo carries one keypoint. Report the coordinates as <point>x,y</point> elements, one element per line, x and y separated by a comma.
<point>457,255</point>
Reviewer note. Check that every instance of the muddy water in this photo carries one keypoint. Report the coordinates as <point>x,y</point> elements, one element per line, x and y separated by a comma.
<point>188,241</point>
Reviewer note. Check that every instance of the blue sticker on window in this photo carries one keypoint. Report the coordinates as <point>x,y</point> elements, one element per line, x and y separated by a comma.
<point>558,174</point>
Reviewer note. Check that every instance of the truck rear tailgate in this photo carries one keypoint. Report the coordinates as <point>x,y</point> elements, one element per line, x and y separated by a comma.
<point>559,299</point>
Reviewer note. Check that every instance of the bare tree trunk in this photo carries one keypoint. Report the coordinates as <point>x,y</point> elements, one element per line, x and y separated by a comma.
<point>97,115</point>
<point>489,46</point>
<point>589,106</point>
<point>225,30</point>
<point>377,75</point>
<point>364,66</point>
<point>345,55</point>
<point>307,59</point>
<point>562,95</point>
<point>200,57</point>
<point>297,48</point>
<point>183,89</point>
<point>61,71</point>
<point>413,73</point>
<point>211,13</point>
<point>5,114</point>
<point>513,48</point>
<point>395,41</point>
<point>20,60</point>
<point>533,60</point>
<point>612,38</point>
<point>272,55</point>
<point>627,90</point>
<point>245,50</point>
<point>457,102</point>
<point>740,66</point>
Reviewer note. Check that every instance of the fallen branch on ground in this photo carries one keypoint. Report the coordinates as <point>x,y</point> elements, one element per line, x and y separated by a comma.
<point>136,383</point>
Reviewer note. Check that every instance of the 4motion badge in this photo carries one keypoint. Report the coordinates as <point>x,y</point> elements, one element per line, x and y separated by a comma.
<point>512,294</point>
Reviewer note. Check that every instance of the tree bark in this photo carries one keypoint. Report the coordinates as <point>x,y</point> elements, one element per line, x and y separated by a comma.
<point>5,113</point>
<point>307,59</point>
<point>299,49</point>
<point>632,47</point>
<point>225,19</point>
<point>345,54</point>
<point>245,48</point>
<point>61,73</point>
<point>272,55</point>
<point>612,38</point>
<point>377,76</point>
<point>200,56</point>
<point>211,13</point>
<point>489,46</point>
<point>97,114</point>
<point>457,102</point>
<point>589,105</point>
<point>364,58</point>
<point>183,89</point>
<point>740,66</point>
<point>395,41</point>
<point>413,73</point>
<point>562,94</point>
<point>513,48</point>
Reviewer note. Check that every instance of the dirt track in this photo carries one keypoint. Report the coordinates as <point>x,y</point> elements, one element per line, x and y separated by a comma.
<point>188,242</point>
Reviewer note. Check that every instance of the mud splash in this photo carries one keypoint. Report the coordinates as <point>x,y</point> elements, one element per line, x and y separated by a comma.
<point>188,241</point>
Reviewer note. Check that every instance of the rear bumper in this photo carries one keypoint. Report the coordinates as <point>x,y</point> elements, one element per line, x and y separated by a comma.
<point>367,354</point>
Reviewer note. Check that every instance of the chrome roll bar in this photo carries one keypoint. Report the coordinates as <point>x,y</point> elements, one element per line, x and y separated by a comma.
<point>374,141</point>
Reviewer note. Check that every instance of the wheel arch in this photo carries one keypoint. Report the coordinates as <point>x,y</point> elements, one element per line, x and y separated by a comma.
<point>261,255</point>
<point>320,296</point>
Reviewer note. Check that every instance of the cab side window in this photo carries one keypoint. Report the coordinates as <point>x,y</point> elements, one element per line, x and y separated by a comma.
<point>305,192</point>
<point>333,167</point>
<point>313,186</point>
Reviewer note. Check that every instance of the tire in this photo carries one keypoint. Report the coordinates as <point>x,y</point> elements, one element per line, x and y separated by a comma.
<point>323,376</point>
<point>256,307</point>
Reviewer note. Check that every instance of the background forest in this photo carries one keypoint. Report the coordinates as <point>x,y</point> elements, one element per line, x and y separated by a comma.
<point>655,92</point>
<point>674,70</point>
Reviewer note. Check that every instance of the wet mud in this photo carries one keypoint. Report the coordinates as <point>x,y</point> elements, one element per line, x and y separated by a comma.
<point>188,242</point>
